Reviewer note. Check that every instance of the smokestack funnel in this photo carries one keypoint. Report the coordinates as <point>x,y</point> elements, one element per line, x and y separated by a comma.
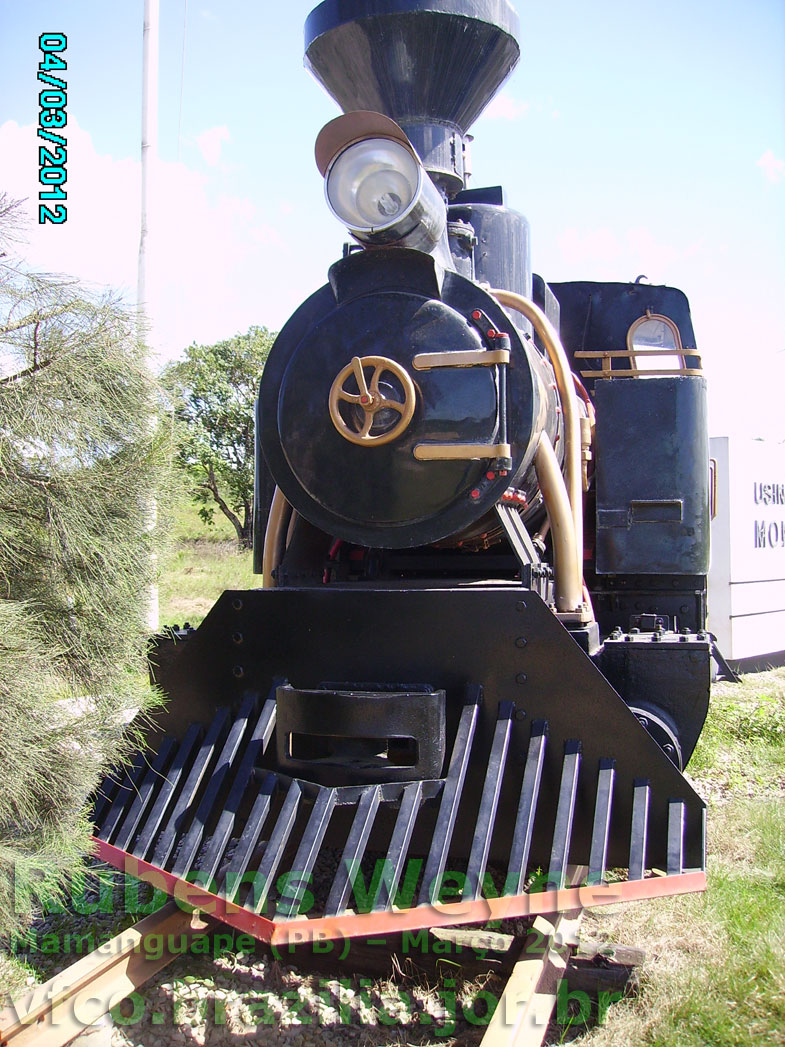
<point>430,65</point>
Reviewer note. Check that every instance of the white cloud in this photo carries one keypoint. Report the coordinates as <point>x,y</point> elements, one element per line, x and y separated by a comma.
<point>619,254</point>
<point>645,249</point>
<point>100,237</point>
<point>209,143</point>
<point>772,166</point>
<point>584,245</point>
<point>505,107</point>
<point>215,263</point>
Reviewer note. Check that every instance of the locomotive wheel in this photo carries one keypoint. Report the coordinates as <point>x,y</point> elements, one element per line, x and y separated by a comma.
<point>661,731</point>
<point>372,400</point>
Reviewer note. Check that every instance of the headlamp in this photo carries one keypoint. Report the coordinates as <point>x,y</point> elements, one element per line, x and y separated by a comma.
<point>372,184</point>
<point>375,184</point>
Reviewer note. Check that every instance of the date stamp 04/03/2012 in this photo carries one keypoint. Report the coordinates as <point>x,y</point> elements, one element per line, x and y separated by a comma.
<point>52,100</point>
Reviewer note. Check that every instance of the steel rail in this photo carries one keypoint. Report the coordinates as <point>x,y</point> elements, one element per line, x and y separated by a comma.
<point>60,1011</point>
<point>54,1013</point>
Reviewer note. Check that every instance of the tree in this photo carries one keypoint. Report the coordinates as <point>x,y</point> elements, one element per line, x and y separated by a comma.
<point>79,462</point>
<point>214,392</point>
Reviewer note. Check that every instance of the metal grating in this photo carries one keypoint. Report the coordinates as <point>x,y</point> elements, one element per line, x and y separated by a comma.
<point>203,810</point>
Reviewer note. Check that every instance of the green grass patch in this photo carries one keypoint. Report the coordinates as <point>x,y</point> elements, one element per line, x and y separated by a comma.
<point>196,573</point>
<point>737,995</point>
<point>203,561</point>
<point>715,972</point>
<point>743,743</point>
<point>715,969</point>
<point>16,974</point>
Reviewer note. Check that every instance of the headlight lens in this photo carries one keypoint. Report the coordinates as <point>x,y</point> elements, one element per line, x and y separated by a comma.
<point>372,184</point>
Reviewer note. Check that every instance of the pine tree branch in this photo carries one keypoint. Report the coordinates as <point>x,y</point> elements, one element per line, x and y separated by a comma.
<point>34,369</point>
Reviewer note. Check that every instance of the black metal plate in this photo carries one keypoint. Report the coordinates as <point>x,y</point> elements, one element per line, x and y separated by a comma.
<point>502,638</point>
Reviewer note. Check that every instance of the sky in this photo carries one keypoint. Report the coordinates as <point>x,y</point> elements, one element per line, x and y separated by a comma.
<point>637,139</point>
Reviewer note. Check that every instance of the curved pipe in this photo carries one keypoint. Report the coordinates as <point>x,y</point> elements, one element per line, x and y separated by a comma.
<point>568,580</point>
<point>275,537</point>
<point>567,395</point>
<point>580,389</point>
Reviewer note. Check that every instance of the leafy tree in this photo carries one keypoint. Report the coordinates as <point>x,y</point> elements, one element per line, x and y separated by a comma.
<point>214,391</point>
<point>80,460</point>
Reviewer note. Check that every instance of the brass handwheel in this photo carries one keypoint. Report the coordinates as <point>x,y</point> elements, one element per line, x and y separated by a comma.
<point>371,400</point>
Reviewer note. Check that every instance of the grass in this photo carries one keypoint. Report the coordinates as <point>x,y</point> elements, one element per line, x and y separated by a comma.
<point>742,748</point>
<point>16,975</point>
<point>202,563</point>
<point>715,970</point>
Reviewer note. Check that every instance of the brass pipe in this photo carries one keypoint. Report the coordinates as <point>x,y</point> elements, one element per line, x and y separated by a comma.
<point>568,580</point>
<point>290,529</point>
<point>275,537</point>
<point>566,387</point>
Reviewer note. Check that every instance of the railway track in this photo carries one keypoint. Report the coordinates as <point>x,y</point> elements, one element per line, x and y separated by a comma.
<point>54,1013</point>
<point>532,965</point>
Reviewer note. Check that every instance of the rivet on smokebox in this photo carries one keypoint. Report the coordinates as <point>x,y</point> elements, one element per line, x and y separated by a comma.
<point>238,672</point>
<point>237,638</point>
<point>520,678</point>
<point>520,714</point>
<point>237,604</point>
<point>520,605</point>
<point>521,641</point>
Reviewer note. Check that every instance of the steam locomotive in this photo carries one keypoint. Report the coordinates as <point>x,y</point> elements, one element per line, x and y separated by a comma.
<point>479,661</point>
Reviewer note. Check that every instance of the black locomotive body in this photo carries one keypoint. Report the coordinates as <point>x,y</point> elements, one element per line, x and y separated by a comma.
<point>479,656</point>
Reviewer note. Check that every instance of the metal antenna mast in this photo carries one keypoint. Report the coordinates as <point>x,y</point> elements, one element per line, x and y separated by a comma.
<point>149,158</point>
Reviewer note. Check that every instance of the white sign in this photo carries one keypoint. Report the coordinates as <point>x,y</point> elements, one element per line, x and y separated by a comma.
<point>747,574</point>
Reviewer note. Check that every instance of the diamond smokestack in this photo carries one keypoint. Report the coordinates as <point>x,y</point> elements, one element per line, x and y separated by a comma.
<point>430,65</point>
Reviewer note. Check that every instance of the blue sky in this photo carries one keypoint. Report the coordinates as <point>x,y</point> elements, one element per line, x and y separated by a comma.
<point>636,139</point>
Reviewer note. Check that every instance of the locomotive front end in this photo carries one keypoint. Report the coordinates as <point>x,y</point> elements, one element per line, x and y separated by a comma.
<point>478,662</point>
